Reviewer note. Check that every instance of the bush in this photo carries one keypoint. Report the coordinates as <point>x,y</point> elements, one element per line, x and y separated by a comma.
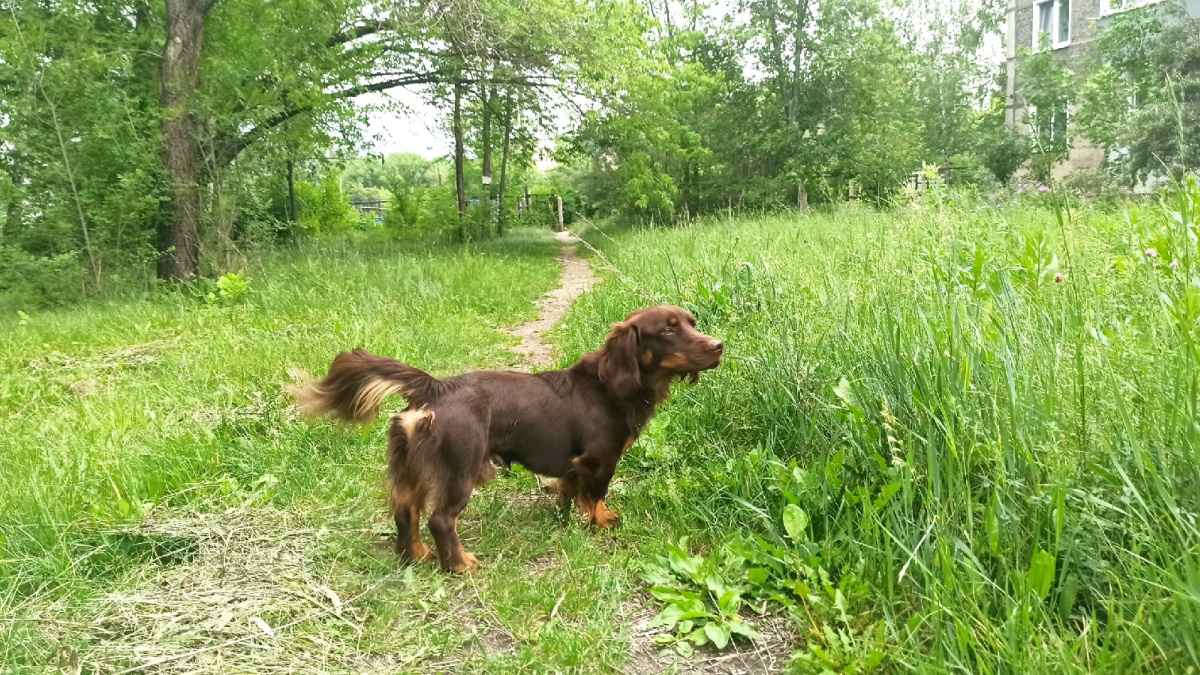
<point>323,207</point>
<point>29,281</point>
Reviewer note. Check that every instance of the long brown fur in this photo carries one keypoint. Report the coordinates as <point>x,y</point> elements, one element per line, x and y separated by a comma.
<point>573,424</point>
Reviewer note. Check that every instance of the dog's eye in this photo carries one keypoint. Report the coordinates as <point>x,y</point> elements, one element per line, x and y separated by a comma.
<point>669,330</point>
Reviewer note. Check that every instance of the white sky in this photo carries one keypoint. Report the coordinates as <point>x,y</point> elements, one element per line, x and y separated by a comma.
<point>412,128</point>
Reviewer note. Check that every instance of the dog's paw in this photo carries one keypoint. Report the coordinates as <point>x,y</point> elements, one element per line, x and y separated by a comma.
<point>421,552</point>
<point>602,517</point>
<point>470,563</point>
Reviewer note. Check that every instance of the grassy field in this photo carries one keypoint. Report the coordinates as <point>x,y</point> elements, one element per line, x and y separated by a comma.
<point>966,437</point>
<point>926,448</point>
<point>159,496</point>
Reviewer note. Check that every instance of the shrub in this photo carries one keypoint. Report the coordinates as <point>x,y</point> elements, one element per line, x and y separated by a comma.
<point>29,281</point>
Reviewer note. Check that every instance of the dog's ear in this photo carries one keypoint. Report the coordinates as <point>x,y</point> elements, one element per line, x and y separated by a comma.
<point>618,367</point>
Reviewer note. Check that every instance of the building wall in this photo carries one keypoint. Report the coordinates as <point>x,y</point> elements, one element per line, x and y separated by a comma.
<point>1086,24</point>
<point>1076,55</point>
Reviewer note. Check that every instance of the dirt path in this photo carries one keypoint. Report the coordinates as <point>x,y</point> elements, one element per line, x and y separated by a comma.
<point>577,278</point>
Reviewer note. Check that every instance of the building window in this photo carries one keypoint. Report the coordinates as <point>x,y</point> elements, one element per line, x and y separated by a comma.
<point>1053,25</point>
<point>1114,6</point>
<point>1049,127</point>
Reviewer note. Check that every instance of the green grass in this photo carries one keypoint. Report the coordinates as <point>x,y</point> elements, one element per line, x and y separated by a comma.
<point>921,388</point>
<point>155,478</point>
<point>983,469</point>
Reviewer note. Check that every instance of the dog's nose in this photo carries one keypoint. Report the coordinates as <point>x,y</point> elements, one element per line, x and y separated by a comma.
<point>716,345</point>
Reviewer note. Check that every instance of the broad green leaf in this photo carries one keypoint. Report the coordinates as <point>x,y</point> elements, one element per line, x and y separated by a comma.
<point>729,602</point>
<point>844,392</point>
<point>1041,573</point>
<point>742,628</point>
<point>718,633</point>
<point>886,494</point>
<point>795,521</point>
<point>667,617</point>
<point>683,563</point>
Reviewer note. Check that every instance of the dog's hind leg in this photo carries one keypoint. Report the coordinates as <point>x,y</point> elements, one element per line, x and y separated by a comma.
<point>408,532</point>
<point>444,526</point>
<point>405,502</point>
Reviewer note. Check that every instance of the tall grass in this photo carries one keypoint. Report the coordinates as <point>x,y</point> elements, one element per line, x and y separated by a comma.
<point>988,415</point>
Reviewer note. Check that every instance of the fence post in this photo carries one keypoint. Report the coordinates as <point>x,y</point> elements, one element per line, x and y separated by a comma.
<point>801,198</point>
<point>560,216</point>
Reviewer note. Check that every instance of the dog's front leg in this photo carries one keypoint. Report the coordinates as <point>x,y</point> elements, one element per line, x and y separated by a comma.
<point>588,485</point>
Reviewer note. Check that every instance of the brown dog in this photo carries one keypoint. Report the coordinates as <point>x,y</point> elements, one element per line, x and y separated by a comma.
<point>572,424</point>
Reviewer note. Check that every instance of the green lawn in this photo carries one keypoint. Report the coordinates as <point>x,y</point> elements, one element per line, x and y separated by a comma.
<point>921,448</point>
<point>159,494</point>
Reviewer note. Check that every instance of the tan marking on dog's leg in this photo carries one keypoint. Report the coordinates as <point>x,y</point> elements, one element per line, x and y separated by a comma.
<point>420,550</point>
<point>602,517</point>
<point>470,562</point>
<point>595,512</point>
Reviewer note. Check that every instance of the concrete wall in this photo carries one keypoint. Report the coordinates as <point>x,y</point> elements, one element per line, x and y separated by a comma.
<point>1076,55</point>
<point>1086,24</point>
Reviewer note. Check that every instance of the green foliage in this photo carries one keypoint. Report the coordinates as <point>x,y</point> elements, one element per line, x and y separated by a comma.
<point>701,603</point>
<point>323,208</point>
<point>1001,149</point>
<point>846,98</point>
<point>1046,87</point>
<point>29,282</point>
<point>703,595</point>
<point>82,163</point>
<point>232,288</point>
<point>1140,98</point>
<point>406,205</point>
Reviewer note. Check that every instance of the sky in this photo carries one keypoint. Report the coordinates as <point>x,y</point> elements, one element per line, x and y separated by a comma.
<point>402,121</point>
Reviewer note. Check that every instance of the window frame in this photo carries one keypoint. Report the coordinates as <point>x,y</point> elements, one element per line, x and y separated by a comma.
<point>1106,8</point>
<point>1055,26</point>
<point>1051,136</point>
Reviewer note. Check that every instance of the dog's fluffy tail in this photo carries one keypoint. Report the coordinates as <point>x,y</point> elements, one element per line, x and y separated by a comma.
<point>358,382</point>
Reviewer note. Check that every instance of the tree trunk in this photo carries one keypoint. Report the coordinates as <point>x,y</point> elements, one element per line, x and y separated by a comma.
<point>798,30</point>
<point>291,179</point>
<point>178,237</point>
<point>504,160</point>
<point>13,215</point>
<point>489,95</point>
<point>458,163</point>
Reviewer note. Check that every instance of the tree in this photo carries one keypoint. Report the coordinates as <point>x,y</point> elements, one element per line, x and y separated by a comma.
<point>1001,149</point>
<point>953,69</point>
<point>1045,87</point>
<point>126,153</point>
<point>1141,96</point>
<point>179,238</point>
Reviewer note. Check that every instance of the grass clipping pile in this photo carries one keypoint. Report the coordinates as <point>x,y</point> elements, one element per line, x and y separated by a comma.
<point>246,597</point>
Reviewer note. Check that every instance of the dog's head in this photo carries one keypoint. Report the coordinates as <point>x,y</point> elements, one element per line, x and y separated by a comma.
<point>654,346</point>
